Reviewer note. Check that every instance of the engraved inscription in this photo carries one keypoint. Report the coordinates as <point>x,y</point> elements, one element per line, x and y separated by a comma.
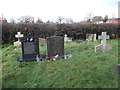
<point>55,46</point>
<point>29,47</point>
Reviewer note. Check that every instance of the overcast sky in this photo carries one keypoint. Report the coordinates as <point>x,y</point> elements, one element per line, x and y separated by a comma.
<point>50,9</point>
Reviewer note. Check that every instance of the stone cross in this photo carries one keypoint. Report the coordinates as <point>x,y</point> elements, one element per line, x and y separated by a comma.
<point>65,35</point>
<point>104,37</point>
<point>66,38</point>
<point>18,35</point>
<point>103,46</point>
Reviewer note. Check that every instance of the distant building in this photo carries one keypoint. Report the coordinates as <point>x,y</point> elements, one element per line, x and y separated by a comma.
<point>97,20</point>
<point>113,20</point>
<point>3,20</point>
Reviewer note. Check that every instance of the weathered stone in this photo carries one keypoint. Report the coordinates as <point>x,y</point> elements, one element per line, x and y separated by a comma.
<point>91,37</point>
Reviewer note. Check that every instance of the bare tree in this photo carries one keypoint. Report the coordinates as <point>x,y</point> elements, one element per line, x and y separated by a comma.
<point>89,18</point>
<point>26,19</point>
<point>60,19</point>
<point>12,20</point>
<point>39,20</point>
<point>105,18</point>
<point>69,20</point>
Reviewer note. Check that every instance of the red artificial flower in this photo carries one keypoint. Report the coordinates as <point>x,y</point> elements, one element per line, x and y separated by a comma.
<point>48,58</point>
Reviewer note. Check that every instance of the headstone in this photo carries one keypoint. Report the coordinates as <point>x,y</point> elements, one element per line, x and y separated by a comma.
<point>79,40</point>
<point>18,35</point>
<point>118,68</point>
<point>91,37</point>
<point>55,46</point>
<point>42,41</point>
<point>94,38</point>
<point>103,46</point>
<point>30,49</point>
<point>66,38</point>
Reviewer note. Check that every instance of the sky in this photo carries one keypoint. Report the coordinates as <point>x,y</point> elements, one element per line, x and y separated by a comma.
<point>51,9</point>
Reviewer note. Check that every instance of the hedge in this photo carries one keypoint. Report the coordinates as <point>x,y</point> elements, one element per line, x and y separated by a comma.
<point>44,30</point>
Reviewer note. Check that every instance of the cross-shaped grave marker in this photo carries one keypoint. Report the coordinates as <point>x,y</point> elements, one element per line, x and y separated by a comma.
<point>18,35</point>
<point>104,37</point>
<point>103,46</point>
<point>66,38</point>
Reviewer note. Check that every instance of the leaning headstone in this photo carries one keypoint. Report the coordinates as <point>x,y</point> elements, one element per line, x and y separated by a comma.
<point>55,46</point>
<point>18,35</point>
<point>30,49</point>
<point>66,39</point>
<point>103,46</point>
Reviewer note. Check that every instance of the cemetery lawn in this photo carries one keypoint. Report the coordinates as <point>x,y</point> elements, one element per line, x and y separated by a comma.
<point>86,69</point>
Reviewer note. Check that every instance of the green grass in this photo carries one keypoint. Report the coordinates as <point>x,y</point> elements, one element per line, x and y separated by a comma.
<point>86,69</point>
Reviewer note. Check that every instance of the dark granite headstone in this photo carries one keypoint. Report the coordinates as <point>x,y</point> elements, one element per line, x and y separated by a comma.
<point>118,68</point>
<point>55,45</point>
<point>30,49</point>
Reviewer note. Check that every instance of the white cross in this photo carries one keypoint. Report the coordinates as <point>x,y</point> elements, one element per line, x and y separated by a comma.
<point>103,37</point>
<point>19,35</point>
<point>65,35</point>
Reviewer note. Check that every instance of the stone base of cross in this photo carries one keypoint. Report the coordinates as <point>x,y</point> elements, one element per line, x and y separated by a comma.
<point>100,48</point>
<point>17,43</point>
<point>103,46</point>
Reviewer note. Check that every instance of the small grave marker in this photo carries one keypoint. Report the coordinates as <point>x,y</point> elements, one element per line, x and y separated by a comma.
<point>66,38</point>
<point>30,49</point>
<point>91,37</point>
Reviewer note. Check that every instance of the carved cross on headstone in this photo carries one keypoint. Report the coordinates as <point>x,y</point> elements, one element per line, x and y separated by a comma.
<point>104,37</point>
<point>18,35</point>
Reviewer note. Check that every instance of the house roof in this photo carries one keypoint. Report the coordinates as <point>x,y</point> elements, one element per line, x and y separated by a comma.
<point>2,18</point>
<point>114,19</point>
